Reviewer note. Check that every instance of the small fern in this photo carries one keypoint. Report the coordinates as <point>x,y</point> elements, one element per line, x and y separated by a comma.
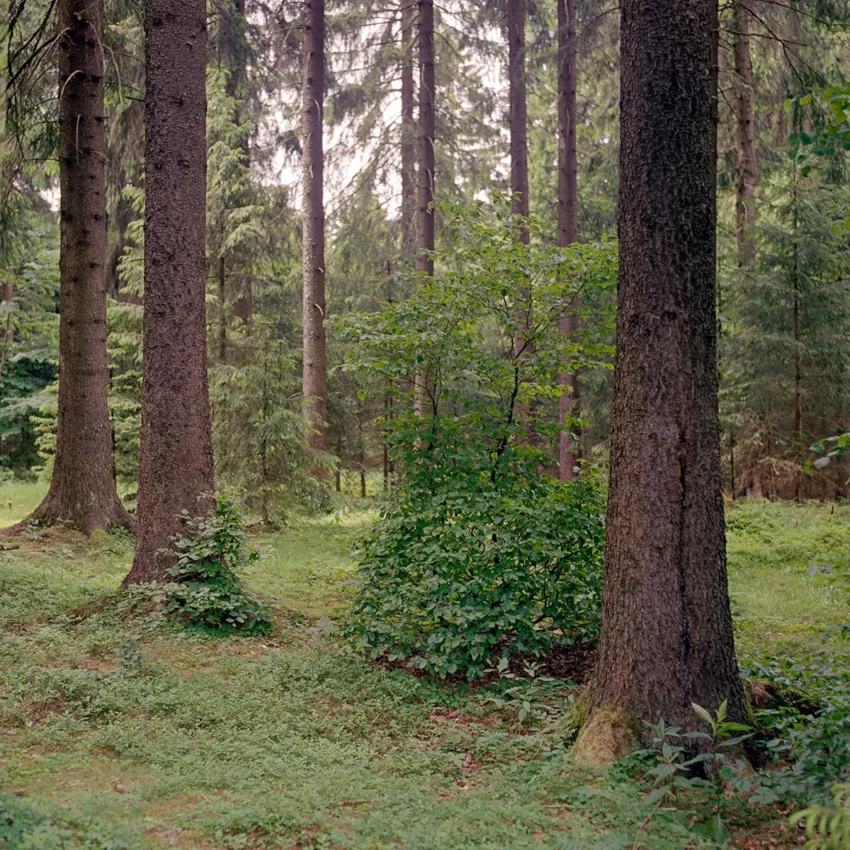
<point>827,827</point>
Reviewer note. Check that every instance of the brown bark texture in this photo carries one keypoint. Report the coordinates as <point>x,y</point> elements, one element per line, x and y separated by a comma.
<point>425,214</point>
<point>82,488</point>
<point>666,637</point>
<point>315,386</point>
<point>567,212</point>
<point>425,224</point>
<point>518,111</point>
<point>745,171</point>
<point>408,133</point>
<point>176,459</point>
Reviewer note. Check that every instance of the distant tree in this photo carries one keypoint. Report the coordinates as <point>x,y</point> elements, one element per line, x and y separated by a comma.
<point>746,168</point>
<point>666,639</point>
<point>518,110</point>
<point>176,458</point>
<point>82,487</point>
<point>567,212</point>
<point>315,344</point>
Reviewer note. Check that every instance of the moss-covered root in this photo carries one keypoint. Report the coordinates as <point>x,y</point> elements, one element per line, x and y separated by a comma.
<point>606,736</point>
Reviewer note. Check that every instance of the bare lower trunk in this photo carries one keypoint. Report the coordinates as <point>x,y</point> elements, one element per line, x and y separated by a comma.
<point>666,637</point>
<point>315,354</point>
<point>82,490</point>
<point>176,459</point>
<point>567,217</point>
<point>425,212</point>
<point>745,172</point>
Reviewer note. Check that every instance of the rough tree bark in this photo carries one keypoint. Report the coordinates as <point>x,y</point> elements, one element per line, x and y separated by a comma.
<point>408,134</point>
<point>82,489</point>
<point>313,215</point>
<point>567,211</point>
<point>745,171</point>
<point>176,459</point>
<point>666,637</point>
<point>425,196</point>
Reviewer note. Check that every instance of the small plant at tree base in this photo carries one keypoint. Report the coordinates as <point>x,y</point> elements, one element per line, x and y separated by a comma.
<point>827,827</point>
<point>678,771</point>
<point>208,590</point>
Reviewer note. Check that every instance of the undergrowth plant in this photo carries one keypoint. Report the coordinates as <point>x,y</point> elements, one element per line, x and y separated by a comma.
<point>827,827</point>
<point>688,762</point>
<point>479,553</point>
<point>208,590</point>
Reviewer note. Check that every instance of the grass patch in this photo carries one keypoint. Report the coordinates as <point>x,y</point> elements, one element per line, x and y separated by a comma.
<point>115,736</point>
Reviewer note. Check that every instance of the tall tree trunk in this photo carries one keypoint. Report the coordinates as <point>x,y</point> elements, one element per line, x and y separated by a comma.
<point>427,130</point>
<point>518,112</point>
<point>666,637</point>
<point>798,361</point>
<point>82,490</point>
<point>234,48</point>
<point>745,172</point>
<point>176,459</point>
<point>567,213</point>
<point>408,134</point>
<point>315,354</point>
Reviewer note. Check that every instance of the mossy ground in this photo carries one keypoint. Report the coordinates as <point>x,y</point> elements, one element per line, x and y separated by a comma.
<point>117,736</point>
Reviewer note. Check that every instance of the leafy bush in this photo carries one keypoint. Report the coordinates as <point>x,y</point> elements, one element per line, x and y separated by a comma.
<point>208,590</point>
<point>449,580</point>
<point>813,748</point>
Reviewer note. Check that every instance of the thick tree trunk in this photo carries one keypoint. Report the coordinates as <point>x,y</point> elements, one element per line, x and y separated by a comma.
<point>427,129</point>
<point>666,637</point>
<point>567,213</point>
<point>408,134</point>
<point>82,490</point>
<point>176,459</point>
<point>745,172</point>
<point>315,354</point>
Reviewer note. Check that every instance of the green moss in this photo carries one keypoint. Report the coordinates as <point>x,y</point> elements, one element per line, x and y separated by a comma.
<point>607,734</point>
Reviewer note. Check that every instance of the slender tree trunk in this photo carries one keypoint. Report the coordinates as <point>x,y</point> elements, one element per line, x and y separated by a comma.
<point>745,172</point>
<point>666,637</point>
<point>82,490</point>
<point>567,214</point>
<point>6,297</point>
<point>176,459</point>
<point>518,112</point>
<point>222,310</point>
<point>798,362</point>
<point>408,134</point>
<point>427,129</point>
<point>235,51</point>
<point>315,354</point>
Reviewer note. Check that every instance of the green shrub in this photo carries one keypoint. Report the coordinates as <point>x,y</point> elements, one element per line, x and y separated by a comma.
<point>208,590</point>
<point>449,581</point>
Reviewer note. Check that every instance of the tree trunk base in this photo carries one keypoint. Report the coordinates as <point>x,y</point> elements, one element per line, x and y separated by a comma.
<point>606,735</point>
<point>53,511</point>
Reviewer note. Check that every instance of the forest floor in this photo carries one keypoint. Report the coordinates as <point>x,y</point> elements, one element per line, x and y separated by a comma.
<point>117,736</point>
